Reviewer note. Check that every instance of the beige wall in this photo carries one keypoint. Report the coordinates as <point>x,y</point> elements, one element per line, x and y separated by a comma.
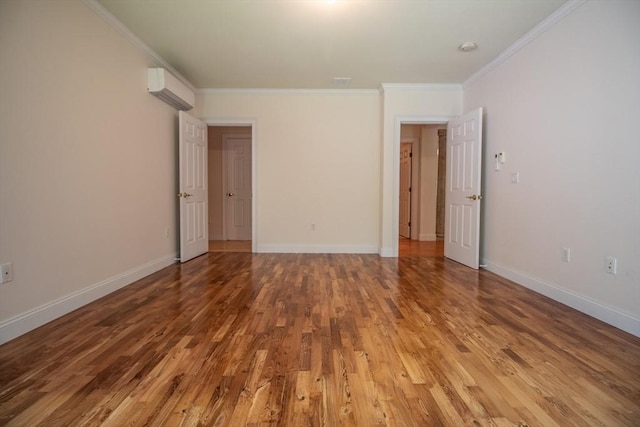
<point>565,111</point>
<point>410,131</point>
<point>317,162</point>
<point>216,134</point>
<point>87,163</point>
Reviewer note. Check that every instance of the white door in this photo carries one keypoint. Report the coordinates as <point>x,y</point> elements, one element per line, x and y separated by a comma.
<point>405,190</point>
<point>194,233</point>
<point>462,195</point>
<point>237,186</point>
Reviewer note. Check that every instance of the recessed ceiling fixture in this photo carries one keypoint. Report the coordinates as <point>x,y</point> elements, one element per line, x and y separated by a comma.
<point>341,81</point>
<point>468,46</point>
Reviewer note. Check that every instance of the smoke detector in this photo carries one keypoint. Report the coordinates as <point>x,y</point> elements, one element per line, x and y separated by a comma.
<point>468,46</point>
<point>341,81</point>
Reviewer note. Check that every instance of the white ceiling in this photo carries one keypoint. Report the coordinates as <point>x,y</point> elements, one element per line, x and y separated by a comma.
<point>287,44</point>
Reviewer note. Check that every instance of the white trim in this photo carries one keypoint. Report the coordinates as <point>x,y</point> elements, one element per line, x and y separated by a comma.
<point>386,253</point>
<point>107,17</point>
<point>427,238</point>
<point>562,12</point>
<point>424,120</point>
<point>230,122</point>
<point>254,167</point>
<point>317,249</point>
<point>579,302</point>
<point>267,91</point>
<point>421,86</point>
<point>32,319</point>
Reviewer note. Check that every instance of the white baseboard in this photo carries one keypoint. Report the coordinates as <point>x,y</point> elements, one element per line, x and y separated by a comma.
<point>581,303</point>
<point>25,322</point>
<point>386,253</point>
<point>317,249</point>
<point>427,237</point>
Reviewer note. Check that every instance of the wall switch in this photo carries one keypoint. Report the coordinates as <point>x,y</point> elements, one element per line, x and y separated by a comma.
<point>612,265</point>
<point>566,254</point>
<point>515,177</point>
<point>313,226</point>
<point>502,156</point>
<point>6,271</point>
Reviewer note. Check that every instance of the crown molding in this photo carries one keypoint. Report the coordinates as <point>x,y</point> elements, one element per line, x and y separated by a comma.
<point>107,17</point>
<point>231,91</point>
<point>420,86</point>
<point>562,12</point>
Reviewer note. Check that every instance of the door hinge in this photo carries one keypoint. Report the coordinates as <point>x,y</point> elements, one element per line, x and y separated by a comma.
<point>410,154</point>
<point>409,189</point>
<point>409,224</point>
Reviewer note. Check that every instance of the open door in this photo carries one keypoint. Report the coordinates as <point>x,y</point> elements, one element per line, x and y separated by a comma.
<point>404,215</point>
<point>194,233</point>
<point>463,183</point>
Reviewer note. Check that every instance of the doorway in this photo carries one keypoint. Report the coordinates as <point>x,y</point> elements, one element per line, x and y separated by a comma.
<point>418,188</point>
<point>231,208</point>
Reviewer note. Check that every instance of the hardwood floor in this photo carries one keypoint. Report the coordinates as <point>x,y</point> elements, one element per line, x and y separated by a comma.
<point>406,247</point>
<point>415,248</point>
<point>229,245</point>
<point>321,340</point>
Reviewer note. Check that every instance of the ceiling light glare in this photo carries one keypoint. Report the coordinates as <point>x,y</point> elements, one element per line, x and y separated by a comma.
<point>467,46</point>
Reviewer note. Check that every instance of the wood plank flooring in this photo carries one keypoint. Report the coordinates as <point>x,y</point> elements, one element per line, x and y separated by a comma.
<point>229,245</point>
<point>235,339</point>
<point>416,248</point>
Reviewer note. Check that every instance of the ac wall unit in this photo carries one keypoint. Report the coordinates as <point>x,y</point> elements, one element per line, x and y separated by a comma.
<point>167,87</point>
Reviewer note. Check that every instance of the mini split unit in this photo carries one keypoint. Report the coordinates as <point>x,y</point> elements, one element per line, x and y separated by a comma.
<point>167,87</point>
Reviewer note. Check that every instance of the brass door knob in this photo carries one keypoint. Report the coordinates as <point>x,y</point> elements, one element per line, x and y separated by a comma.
<point>474,197</point>
<point>230,194</point>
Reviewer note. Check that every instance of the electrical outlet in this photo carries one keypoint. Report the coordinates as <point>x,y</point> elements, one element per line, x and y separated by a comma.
<point>6,272</point>
<point>566,254</point>
<point>612,265</point>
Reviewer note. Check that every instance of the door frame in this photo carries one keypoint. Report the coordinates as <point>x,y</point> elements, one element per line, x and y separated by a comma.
<point>213,121</point>
<point>395,185</point>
